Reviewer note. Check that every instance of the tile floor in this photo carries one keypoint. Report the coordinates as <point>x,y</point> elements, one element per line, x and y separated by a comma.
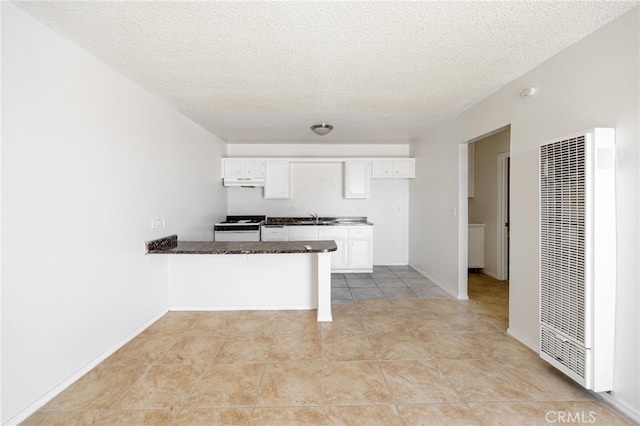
<point>412,356</point>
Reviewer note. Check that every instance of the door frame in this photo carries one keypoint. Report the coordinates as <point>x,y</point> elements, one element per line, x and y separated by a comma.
<point>502,226</point>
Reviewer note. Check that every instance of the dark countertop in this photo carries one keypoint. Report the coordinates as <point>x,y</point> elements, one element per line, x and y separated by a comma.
<point>322,221</point>
<point>240,247</point>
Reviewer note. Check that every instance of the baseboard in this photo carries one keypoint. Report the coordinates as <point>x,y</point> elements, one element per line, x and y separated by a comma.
<point>438,283</point>
<point>242,308</point>
<point>520,338</point>
<point>610,399</point>
<point>40,402</point>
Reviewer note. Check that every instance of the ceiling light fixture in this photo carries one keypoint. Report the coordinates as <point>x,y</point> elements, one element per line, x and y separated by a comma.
<point>321,129</point>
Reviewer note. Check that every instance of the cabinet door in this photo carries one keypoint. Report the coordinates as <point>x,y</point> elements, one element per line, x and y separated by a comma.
<point>254,168</point>
<point>276,181</point>
<point>356,179</point>
<point>404,168</point>
<point>360,253</point>
<point>232,168</point>
<point>381,168</point>
<point>339,258</point>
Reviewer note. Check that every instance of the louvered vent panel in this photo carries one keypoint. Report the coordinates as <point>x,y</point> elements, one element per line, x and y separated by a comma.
<point>562,236</point>
<point>578,256</point>
<point>563,351</point>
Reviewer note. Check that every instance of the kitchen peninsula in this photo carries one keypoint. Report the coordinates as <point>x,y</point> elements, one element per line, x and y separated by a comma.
<point>240,275</point>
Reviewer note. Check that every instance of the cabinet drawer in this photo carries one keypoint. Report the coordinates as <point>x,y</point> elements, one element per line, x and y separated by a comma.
<point>361,231</point>
<point>303,233</point>
<point>331,233</point>
<point>274,232</point>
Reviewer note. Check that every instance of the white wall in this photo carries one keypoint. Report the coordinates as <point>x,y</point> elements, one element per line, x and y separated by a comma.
<point>318,188</point>
<point>593,83</point>
<point>88,158</point>
<point>483,207</point>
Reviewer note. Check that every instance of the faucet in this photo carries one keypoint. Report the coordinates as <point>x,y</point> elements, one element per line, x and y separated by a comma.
<point>314,216</point>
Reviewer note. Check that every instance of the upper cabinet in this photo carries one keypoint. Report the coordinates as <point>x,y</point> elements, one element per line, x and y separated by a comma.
<point>276,182</point>
<point>393,168</point>
<point>356,179</point>
<point>237,168</point>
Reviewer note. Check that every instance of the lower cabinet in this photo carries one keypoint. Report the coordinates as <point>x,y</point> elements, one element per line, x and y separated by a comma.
<point>339,258</point>
<point>361,249</point>
<point>355,243</point>
<point>355,248</point>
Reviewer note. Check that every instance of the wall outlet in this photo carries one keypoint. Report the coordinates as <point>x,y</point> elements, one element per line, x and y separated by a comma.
<point>156,223</point>
<point>292,208</point>
<point>165,221</point>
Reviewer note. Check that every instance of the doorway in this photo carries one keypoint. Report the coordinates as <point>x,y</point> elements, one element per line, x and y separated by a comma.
<point>488,202</point>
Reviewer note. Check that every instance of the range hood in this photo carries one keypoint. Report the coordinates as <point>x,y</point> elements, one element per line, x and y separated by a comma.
<point>249,182</point>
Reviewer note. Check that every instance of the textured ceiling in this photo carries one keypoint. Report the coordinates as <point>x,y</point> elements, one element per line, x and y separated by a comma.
<point>379,71</point>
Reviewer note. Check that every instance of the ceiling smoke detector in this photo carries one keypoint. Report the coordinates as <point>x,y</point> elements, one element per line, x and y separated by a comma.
<point>321,129</point>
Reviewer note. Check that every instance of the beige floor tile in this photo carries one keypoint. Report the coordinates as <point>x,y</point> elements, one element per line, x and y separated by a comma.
<point>172,323</point>
<point>498,345</point>
<point>135,417</point>
<point>227,385</point>
<point>428,361</point>
<point>163,386</point>
<point>450,345</point>
<point>299,322</point>
<point>343,322</point>
<point>282,416</point>
<point>244,349</point>
<point>384,323</point>
<point>372,307</point>
<point>417,382</point>
<point>214,323</point>
<point>398,345</point>
<point>100,388</point>
<point>192,350</point>
<point>541,381</point>
<point>257,323</point>
<point>61,418</point>
<point>508,413</point>
<point>360,415</point>
<point>583,412</point>
<point>354,382</point>
<point>437,415</point>
<point>480,380</point>
<point>343,345</point>
<point>213,416</point>
<point>296,383</point>
<point>296,347</point>
<point>141,350</point>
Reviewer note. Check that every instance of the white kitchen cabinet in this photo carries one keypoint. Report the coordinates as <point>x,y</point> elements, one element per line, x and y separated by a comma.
<point>382,168</point>
<point>393,168</point>
<point>360,249</point>
<point>404,168</point>
<point>239,168</point>
<point>274,233</point>
<point>476,245</point>
<point>356,179</point>
<point>276,182</point>
<point>303,233</point>
<point>339,234</point>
